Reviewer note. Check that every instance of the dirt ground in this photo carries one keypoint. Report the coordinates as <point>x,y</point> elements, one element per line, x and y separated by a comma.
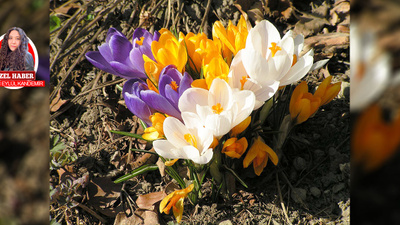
<point>309,186</point>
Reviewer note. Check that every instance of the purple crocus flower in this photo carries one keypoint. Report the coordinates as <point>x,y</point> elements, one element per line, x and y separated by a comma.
<point>172,84</point>
<point>132,92</point>
<point>143,102</point>
<point>120,57</point>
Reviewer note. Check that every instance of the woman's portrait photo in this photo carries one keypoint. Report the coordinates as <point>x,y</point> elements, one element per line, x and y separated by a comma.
<point>14,54</point>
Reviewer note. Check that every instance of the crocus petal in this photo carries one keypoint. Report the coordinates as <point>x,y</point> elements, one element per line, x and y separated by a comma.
<point>279,65</point>
<point>178,210</point>
<point>120,48</point>
<point>167,150</point>
<point>297,93</point>
<point>160,103</point>
<point>246,101</point>
<point>250,156</point>
<point>219,92</point>
<point>298,43</point>
<point>138,107</point>
<point>259,168</point>
<point>298,70</point>
<point>261,36</point>
<point>219,124</point>
<point>193,154</point>
<point>126,71</point>
<point>174,131</point>
<point>255,65</point>
<point>105,51</point>
<point>185,83</point>
<point>164,203</point>
<point>100,62</point>
<point>136,58</point>
<point>192,97</point>
<point>162,83</point>
<point>172,96</point>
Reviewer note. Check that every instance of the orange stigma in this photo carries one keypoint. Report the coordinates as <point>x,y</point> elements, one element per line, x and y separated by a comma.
<point>274,48</point>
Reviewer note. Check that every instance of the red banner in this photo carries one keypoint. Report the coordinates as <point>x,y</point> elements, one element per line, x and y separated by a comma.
<point>22,83</point>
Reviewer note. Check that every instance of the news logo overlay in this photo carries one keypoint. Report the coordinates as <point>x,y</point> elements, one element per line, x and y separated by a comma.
<point>19,79</point>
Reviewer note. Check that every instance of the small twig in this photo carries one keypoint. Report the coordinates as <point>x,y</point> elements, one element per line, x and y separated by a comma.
<point>205,17</point>
<point>166,23</point>
<point>272,213</point>
<point>91,212</point>
<point>281,200</point>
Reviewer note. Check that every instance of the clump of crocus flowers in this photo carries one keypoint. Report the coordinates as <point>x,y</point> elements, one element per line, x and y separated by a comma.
<point>202,101</point>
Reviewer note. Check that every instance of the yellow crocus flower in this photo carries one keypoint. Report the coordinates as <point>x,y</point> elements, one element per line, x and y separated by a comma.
<point>216,68</point>
<point>258,154</point>
<point>200,48</point>
<point>327,91</point>
<point>233,38</point>
<point>175,201</point>
<point>168,50</point>
<point>235,148</point>
<point>303,104</point>
<point>156,130</point>
<point>374,140</point>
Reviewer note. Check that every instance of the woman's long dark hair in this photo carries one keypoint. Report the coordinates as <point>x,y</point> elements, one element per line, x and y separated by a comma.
<point>14,60</point>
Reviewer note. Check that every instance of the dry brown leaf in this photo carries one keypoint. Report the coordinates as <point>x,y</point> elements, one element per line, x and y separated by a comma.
<point>287,12</point>
<point>244,14</point>
<point>161,167</point>
<point>310,24</point>
<point>171,187</point>
<point>138,218</point>
<point>57,102</point>
<point>146,158</point>
<point>321,10</point>
<point>148,201</point>
<point>338,40</point>
<point>256,12</point>
<point>342,7</point>
<point>102,195</point>
<point>278,8</point>
<point>340,13</point>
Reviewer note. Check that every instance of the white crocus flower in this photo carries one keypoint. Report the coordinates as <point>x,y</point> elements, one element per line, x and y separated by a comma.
<point>369,71</point>
<point>269,61</point>
<point>185,141</point>
<point>263,89</point>
<point>220,108</point>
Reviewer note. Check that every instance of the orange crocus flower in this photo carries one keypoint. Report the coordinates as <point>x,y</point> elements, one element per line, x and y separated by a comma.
<point>303,104</point>
<point>258,154</point>
<point>374,140</point>
<point>175,201</point>
<point>156,131</point>
<point>327,91</point>
<point>235,148</point>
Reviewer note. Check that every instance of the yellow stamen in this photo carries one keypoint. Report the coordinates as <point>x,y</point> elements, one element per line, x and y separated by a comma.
<point>294,59</point>
<point>243,81</point>
<point>140,42</point>
<point>274,48</point>
<point>174,86</point>
<point>191,139</point>
<point>217,109</point>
